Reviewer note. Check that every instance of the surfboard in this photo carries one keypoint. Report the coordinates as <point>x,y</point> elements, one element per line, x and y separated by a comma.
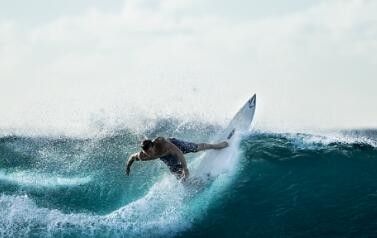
<point>214,162</point>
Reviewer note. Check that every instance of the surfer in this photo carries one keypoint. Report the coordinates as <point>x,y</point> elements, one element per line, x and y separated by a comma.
<point>170,151</point>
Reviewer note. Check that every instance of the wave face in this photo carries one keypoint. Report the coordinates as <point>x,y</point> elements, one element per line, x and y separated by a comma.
<point>282,185</point>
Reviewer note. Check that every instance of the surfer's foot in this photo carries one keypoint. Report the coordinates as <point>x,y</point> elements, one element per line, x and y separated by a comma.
<point>220,145</point>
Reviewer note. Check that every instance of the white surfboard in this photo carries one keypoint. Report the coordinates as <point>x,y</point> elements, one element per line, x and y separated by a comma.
<point>214,162</point>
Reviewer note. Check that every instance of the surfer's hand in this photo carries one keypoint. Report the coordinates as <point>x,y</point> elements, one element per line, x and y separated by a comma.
<point>128,170</point>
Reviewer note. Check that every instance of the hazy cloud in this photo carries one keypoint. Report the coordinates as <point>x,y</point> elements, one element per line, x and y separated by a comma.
<point>304,63</point>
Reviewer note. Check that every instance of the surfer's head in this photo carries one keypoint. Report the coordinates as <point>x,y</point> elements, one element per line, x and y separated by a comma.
<point>147,146</point>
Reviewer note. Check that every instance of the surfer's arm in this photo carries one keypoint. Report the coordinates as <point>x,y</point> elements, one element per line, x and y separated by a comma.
<point>130,161</point>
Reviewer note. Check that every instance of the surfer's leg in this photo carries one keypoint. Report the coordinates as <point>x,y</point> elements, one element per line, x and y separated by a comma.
<point>184,146</point>
<point>188,147</point>
<point>205,146</point>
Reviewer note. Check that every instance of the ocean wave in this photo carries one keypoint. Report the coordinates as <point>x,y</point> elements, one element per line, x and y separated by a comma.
<point>62,186</point>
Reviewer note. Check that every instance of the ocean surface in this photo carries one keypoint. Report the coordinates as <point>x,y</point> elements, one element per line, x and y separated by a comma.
<point>281,185</point>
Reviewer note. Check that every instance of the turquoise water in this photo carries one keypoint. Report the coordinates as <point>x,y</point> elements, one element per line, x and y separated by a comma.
<point>282,185</point>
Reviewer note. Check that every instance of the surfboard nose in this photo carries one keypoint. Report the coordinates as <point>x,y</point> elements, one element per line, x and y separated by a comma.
<point>254,98</point>
<point>252,101</point>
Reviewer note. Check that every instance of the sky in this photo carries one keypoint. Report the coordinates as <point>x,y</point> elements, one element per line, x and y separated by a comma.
<point>71,66</point>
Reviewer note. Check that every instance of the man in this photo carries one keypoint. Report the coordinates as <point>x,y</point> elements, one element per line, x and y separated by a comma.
<point>170,151</point>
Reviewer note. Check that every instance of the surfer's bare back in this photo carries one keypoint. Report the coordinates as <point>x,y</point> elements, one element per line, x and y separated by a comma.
<point>170,151</point>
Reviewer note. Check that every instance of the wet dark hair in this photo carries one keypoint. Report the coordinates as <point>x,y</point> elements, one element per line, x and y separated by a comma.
<point>146,144</point>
